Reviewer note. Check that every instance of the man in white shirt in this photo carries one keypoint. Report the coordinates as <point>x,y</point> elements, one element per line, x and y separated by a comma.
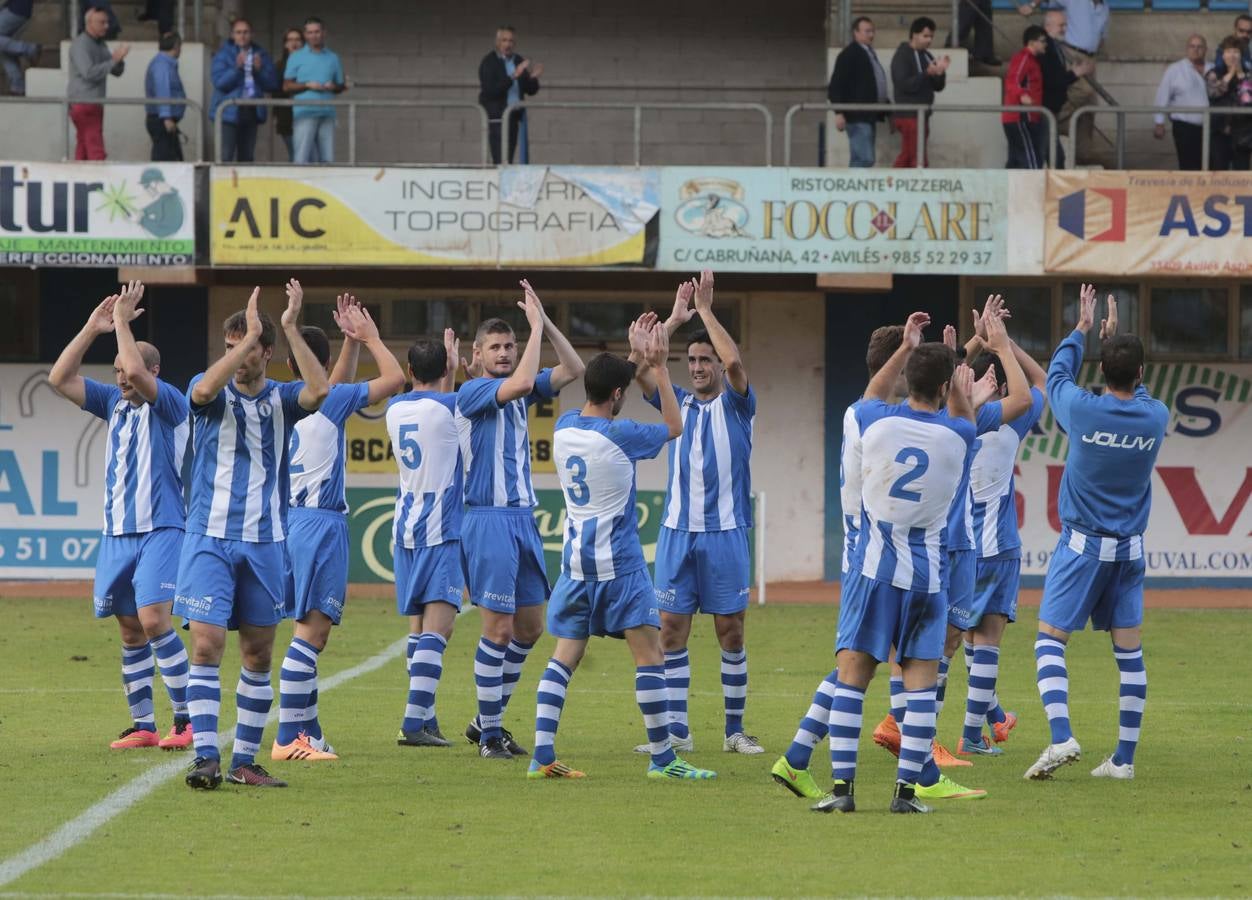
<point>1183,85</point>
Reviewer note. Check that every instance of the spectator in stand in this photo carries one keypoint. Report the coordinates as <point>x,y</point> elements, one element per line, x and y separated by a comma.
<point>1243,31</point>
<point>313,73</point>
<point>13,18</point>
<point>1231,135</point>
<point>91,64</point>
<point>1023,86</point>
<point>1184,84</point>
<point>162,81</point>
<point>241,70</point>
<point>160,11</point>
<point>1087,26</point>
<point>859,77</point>
<point>1059,73</point>
<point>112,29</point>
<point>505,77</point>
<point>293,40</point>
<point>976,15</point>
<point>916,76</point>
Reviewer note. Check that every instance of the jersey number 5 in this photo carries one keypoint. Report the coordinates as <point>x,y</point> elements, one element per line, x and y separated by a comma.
<point>578,491</point>
<point>410,446</point>
<point>921,462</point>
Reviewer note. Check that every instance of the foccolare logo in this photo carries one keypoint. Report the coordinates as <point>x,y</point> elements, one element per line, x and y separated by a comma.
<point>1101,210</point>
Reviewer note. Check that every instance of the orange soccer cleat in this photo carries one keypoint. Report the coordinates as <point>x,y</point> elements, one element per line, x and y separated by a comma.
<point>179,738</point>
<point>300,749</point>
<point>135,738</point>
<point>887,736</point>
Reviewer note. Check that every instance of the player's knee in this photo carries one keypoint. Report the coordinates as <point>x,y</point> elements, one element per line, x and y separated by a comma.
<point>132,632</point>
<point>527,632</point>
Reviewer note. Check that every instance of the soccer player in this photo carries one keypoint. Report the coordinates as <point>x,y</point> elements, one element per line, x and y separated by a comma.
<point>500,545</point>
<point>232,570</point>
<point>427,529</point>
<point>912,456</point>
<point>143,511</point>
<point>703,561</point>
<point>317,534</point>
<point>604,587</point>
<point>1097,570</point>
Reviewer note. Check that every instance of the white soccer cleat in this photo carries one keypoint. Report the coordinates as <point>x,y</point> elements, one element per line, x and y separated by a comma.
<point>1052,758</point>
<point>1110,769</point>
<point>679,745</point>
<point>742,743</point>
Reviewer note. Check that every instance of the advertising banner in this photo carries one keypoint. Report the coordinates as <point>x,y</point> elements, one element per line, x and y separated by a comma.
<point>829,220</point>
<point>1201,514</point>
<point>1148,223</point>
<point>97,214</point>
<point>532,215</point>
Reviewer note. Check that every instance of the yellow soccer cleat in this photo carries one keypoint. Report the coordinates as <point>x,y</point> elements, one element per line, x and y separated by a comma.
<point>554,769</point>
<point>947,789</point>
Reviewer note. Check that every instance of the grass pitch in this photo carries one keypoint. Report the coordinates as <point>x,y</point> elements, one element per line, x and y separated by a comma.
<point>399,821</point>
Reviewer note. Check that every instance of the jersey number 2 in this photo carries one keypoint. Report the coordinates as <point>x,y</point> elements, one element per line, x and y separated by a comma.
<point>410,446</point>
<point>921,462</point>
<point>578,491</point>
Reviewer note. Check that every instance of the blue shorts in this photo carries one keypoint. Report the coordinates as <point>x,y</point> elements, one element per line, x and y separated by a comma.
<point>428,575</point>
<point>317,551</point>
<point>703,571</point>
<point>1079,587</point>
<point>580,609</point>
<point>503,558</point>
<point>874,616</point>
<point>231,583</point>
<point>995,593</point>
<point>134,570</point>
<point>958,583</point>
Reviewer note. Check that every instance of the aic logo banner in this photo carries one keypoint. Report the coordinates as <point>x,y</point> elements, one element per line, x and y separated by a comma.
<point>1158,223</point>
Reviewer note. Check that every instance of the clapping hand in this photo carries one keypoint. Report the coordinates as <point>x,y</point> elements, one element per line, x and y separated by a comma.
<point>1108,326</point>
<point>913,329</point>
<point>126,308</point>
<point>1086,308</point>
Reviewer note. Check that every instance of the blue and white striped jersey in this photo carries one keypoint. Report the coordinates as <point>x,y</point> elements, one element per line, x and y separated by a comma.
<point>495,441</point>
<point>143,485</point>
<point>993,507</point>
<point>850,483</point>
<point>430,500</point>
<point>911,465</point>
<point>960,516</point>
<point>710,477</point>
<point>595,460</point>
<point>319,449</point>
<point>239,478</point>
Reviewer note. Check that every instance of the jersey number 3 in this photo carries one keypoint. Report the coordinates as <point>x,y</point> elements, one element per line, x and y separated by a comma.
<point>578,491</point>
<point>921,462</point>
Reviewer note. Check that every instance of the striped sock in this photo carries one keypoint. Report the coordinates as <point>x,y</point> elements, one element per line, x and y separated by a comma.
<point>312,724</point>
<point>678,685</point>
<point>488,677</point>
<point>917,733</point>
<point>514,658</point>
<point>734,688</point>
<point>204,702</point>
<point>549,701</point>
<point>982,688</point>
<point>897,698</point>
<point>815,725</point>
<point>1131,697</point>
<point>653,699</point>
<point>138,670</point>
<point>1053,682</point>
<point>425,669</point>
<point>967,646</point>
<point>297,681</point>
<point>847,710</point>
<point>254,695</point>
<point>171,656</point>
<point>941,688</point>
<point>410,646</point>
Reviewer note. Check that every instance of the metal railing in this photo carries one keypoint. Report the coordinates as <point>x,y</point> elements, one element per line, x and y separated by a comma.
<point>66,102</point>
<point>638,109</point>
<point>352,106</point>
<point>71,15</point>
<point>916,108</point>
<point>1205,112</point>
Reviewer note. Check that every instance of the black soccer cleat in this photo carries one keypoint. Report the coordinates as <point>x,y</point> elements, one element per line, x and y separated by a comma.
<point>511,745</point>
<point>840,799</point>
<point>422,738</point>
<point>434,732</point>
<point>473,733</point>
<point>494,748</point>
<point>905,802</point>
<point>204,774</point>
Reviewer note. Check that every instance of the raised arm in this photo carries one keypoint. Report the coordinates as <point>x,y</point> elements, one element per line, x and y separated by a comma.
<point>656,356</point>
<point>522,381</point>
<point>316,385</point>
<point>1017,403</point>
<point>218,375</point>
<point>569,367</point>
<point>125,311</point>
<point>360,327</point>
<point>344,371</point>
<point>723,344</point>
<point>960,393</point>
<point>452,347</point>
<point>64,376</point>
<point>1063,389</point>
<point>882,384</point>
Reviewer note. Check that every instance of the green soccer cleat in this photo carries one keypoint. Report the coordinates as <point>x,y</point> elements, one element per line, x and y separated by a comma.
<point>681,769</point>
<point>947,789</point>
<point>798,781</point>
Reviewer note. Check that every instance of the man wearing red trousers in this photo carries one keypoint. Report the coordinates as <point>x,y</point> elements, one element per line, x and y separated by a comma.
<point>916,77</point>
<point>91,64</point>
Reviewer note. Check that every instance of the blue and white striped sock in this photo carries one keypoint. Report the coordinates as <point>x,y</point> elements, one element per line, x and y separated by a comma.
<point>897,698</point>
<point>138,670</point>
<point>815,725</point>
<point>488,678</point>
<point>1131,698</point>
<point>678,685</point>
<point>204,703</point>
<point>653,698</point>
<point>967,646</point>
<point>1052,679</point>
<point>941,685</point>
<point>254,695</point>
<point>425,670</point>
<point>847,711</point>
<point>917,733</point>
<point>734,688</point>
<point>514,658</point>
<point>410,646</point>
<point>982,688</point>
<point>549,701</point>
<point>171,656</point>
<point>297,680</point>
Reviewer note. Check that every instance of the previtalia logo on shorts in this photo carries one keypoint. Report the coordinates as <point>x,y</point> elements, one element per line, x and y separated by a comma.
<point>1098,210</point>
